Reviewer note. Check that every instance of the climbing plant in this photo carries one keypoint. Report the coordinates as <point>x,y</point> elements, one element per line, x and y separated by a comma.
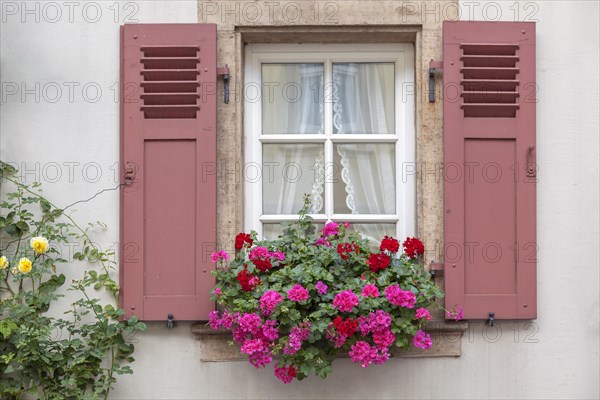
<point>78,354</point>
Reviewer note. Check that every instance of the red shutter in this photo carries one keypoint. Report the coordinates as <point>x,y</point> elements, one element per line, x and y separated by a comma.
<point>490,174</point>
<point>168,145</point>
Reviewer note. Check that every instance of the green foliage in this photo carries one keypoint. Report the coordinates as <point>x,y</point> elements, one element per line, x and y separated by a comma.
<point>72,357</point>
<point>306,263</point>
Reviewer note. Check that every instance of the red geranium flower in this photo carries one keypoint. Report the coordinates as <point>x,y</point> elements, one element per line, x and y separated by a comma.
<point>378,261</point>
<point>242,238</point>
<point>390,244</point>
<point>413,247</point>
<point>344,248</point>
<point>243,278</point>
<point>347,327</point>
<point>262,265</point>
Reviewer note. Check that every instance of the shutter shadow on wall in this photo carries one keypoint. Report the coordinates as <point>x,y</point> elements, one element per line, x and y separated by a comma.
<point>168,154</point>
<point>490,174</point>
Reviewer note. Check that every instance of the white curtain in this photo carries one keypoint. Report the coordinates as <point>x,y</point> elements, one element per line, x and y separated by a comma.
<point>364,104</point>
<point>292,104</point>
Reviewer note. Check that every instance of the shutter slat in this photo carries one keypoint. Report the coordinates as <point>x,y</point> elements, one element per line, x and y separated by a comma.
<point>489,61</point>
<point>489,84</point>
<point>489,48</point>
<point>489,195</point>
<point>492,110</point>
<point>170,62</point>
<point>489,72</point>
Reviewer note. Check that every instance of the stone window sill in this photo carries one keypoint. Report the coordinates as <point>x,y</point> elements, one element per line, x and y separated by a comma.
<point>446,336</point>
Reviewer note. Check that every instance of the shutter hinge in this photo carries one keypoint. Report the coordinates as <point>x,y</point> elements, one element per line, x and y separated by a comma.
<point>435,268</point>
<point>224,72</point>
<point>433,65</point>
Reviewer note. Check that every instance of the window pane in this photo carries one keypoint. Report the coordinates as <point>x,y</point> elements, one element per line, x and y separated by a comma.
<point>291,98</point>
<point>272,231</point>
<point>363,98</point>
<point>374,232</point>
<point>290,171</point>
<point>364,179</point>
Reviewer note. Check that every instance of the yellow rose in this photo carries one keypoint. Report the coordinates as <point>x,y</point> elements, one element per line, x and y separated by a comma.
<point>3,262</point>
<point>39,244</point>
<point>24,265</point>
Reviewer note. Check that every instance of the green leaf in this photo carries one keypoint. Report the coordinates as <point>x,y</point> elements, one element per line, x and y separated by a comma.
<point>45,205</point>
<point>12,229</point>
<point>22,225</point>
<point>52,284</point>
<point>7,327</point>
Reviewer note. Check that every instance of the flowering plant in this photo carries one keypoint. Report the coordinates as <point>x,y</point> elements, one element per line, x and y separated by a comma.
<point>77,350</point>
<point>309,296</point>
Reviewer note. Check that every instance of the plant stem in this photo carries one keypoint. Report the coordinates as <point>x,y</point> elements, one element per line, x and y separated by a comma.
<point>8,285</point>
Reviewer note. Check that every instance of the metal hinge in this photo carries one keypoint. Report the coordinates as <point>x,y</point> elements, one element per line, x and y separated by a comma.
<point>224,72</point>
<point>433,65</point>
<point>436,268</point>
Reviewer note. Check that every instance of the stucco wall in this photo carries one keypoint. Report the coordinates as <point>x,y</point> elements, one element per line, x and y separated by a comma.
<point>555,357</point>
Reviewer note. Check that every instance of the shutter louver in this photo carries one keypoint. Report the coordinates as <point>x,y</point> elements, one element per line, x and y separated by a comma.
<point>168,143</point>
<point>489,159</point>
<point>170,81</point>
<point>489,79</point>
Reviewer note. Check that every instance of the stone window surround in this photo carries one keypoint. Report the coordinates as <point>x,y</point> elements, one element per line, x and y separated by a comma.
<point>429,154</point>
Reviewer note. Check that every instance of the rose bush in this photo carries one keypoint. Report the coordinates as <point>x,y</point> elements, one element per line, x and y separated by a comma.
<point>78,350</point>
<point>309,296</point>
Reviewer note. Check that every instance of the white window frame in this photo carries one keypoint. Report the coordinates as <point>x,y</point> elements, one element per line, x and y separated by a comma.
<point>402,54</point>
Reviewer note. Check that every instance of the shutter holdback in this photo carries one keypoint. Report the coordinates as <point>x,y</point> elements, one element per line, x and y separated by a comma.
<point>435,268</point>
<point>224,72</point>
<point>433,65</point>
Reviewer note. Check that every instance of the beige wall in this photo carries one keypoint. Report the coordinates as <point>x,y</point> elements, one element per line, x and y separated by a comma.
<point>556,357</point>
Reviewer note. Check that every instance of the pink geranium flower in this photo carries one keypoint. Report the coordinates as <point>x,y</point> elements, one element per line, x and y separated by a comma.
<point>345,301</point>
<point>297,293</point>
<point>456,313</point>
<point>321,287</point>
<point>422,340</point>
<point>219,255</point>
<point>422,313</point>
<point>269,300</point>
<point>370,290</point>
<point>331,229</point>
<point>399,297</point>
<point>285,374</point>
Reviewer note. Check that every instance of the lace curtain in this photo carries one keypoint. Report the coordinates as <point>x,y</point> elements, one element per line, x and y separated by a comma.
<point>364,104</point>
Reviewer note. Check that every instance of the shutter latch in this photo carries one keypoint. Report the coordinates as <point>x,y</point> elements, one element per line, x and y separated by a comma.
<point>129,173</point>
<point>433,65</point>
<point>435,268</point>
<point>491,319</point>
<point>170,321</point>
<point>224,72</point>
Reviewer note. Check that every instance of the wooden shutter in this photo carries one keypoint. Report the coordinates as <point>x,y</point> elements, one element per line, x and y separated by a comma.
<point>490,174</point>
<point>168,145</point>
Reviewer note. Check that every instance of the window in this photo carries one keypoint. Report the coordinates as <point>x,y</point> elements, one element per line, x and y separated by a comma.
<point>331,121</point>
